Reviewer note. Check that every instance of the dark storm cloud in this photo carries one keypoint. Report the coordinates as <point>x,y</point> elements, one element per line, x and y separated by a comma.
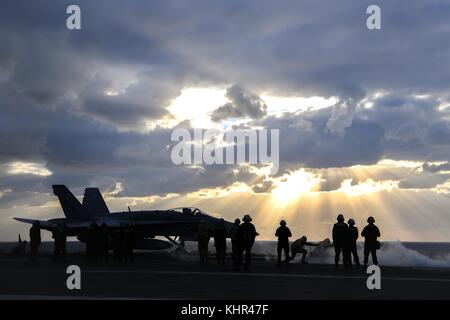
<point>54,68</point>
<point>54,106</point>
<point>242,104</point>
<point>314,146</point>
<point>436,167</point>
<point>425,182</point>
<point>121,113</point>
<point>264,186</point>
<point>145,181</point>
<point>414,128</point>
<point>80,152</point>
<point>396,127</point>
<point>289,46</point>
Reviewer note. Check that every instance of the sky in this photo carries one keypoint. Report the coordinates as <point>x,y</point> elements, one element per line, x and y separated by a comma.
<point>364,115</point>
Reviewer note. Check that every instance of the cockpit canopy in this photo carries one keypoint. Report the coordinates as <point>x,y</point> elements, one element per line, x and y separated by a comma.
<point>190,211</point>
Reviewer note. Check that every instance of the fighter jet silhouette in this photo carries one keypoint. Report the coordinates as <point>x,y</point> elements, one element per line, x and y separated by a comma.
<point>176,225</point>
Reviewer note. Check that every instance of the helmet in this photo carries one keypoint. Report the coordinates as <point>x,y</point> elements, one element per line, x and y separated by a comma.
<point>370,220</point>
<point>340,217</point>
<point>282,222</point>
<point>351,222</point>
<point>304,238</point>
<point>237,221</point>
<point>247,218</point>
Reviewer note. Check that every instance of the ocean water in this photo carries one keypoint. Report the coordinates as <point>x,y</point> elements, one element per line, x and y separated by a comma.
<point>392,253</point>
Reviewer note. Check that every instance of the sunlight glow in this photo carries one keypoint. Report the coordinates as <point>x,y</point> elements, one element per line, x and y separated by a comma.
<point>261,171</point>
<point>221,192</point>
<point>292,186</point>
<point>399,163</point>
<point>195,104</point>
<point>276,104</point>
<point>443,188</point>
<point>118,188</point>
<point>365,187</point>
<point>3,192</point>
<point>111,93</point>
<point>33,168</point>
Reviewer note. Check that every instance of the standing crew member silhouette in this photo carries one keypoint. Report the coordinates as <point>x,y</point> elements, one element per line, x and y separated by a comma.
<point>234,240</point>
<point>203,241</point>
<point>220,241</point>
<point>128,244</point>
<point>88,236</point>
<point>371,244</point>
<point>35,240</point>
<point>96,242</point>
<point>246,239</point>
<point>117,244</point>
<point>57,236</point>
<point>283,233</point>
<point>352,236</point>
<point>104,237</point>
<point>339,234</point>
<point>63,245</point>
<point>20,248</point>
<point>92,242</point>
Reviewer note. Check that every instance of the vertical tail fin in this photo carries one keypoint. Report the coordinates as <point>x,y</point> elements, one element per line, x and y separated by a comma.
<point>69,203</point>
<point>94,202</point>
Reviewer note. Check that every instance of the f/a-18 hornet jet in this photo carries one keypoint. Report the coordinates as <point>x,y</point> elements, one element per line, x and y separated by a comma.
<point>176,225</point>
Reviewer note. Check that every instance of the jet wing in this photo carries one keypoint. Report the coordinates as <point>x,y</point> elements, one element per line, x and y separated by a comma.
<point>163,222</point>
<point>114,223</point>
<point>43,224</point>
